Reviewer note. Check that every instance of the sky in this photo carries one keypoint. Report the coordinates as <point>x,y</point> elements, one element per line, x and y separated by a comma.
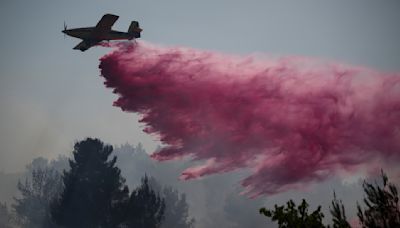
<point>52,96</point>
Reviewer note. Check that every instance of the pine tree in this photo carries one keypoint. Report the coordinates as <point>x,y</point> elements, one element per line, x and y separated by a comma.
<point>382,205</point>
<point>290,216</point>
<point>6,219</point>
<point>146,208</point>
<point>338,213</point>
<point>33,206</point>
<point>176,212</point>
<point>94,192</point>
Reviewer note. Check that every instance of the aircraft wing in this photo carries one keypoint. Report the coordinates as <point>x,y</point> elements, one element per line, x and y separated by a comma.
<point>83,46</point>
<point>106,22</point>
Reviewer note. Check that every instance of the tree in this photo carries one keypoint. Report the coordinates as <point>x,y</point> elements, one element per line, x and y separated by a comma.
<point>95,194</point>
<point>382,205</point>
<point>33,207</point>
<point>5,216</point>
<point>176,208</point>
<point>338,214</point>
<point>37,163</point>
<point>292,217</point>
<point>146,208</point>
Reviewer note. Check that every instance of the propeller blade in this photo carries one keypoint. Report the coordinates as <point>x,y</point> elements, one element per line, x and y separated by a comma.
<point>65,28</point>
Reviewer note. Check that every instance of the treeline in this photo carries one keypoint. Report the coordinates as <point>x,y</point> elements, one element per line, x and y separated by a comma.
<point>91,192</point>
<point>381,210</point>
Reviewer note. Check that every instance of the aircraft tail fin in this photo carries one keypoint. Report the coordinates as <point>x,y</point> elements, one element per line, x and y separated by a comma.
<point>134,30</point>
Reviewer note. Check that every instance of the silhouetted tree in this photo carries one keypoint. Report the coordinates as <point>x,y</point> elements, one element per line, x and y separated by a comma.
<point>33,207</point>
<point>95,194</point>
<point>177,210</point>
<point>6,219</point>
<point>338,214</point>
<point>146,208</point>
<point>292,217</point>
<point>176,213</point>
<point>382,205</point>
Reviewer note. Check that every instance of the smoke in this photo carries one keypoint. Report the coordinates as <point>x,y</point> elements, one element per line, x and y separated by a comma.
<point>291,121</point>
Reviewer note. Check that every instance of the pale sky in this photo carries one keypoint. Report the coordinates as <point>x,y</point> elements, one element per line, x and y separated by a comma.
<point>51,95</point>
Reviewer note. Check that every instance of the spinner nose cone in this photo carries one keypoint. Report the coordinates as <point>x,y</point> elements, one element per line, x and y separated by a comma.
<point>66,32</point>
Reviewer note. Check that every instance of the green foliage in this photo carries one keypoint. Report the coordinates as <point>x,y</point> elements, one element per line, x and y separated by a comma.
<point>382,205</point>
<point>382,210</point>
<point>338,214</point>
<point>290,216</point>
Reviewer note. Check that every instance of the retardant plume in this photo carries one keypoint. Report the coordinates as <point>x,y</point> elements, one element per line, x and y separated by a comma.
<point>292,121</point>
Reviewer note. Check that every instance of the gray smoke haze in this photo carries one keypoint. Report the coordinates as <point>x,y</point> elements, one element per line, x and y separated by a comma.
<point>51,95</point>
<point>214,201</point>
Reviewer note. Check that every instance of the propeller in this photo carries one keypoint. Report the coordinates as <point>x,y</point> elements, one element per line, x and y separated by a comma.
<point>65,28</point>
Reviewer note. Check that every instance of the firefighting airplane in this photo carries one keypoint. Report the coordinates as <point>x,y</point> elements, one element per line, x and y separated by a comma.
<point>102,31</point>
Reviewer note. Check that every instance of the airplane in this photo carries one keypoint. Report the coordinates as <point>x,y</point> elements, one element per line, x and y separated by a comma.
<point>102,32</point>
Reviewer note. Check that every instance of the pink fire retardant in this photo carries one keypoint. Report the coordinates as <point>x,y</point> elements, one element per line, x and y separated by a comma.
<point>292,121</point>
